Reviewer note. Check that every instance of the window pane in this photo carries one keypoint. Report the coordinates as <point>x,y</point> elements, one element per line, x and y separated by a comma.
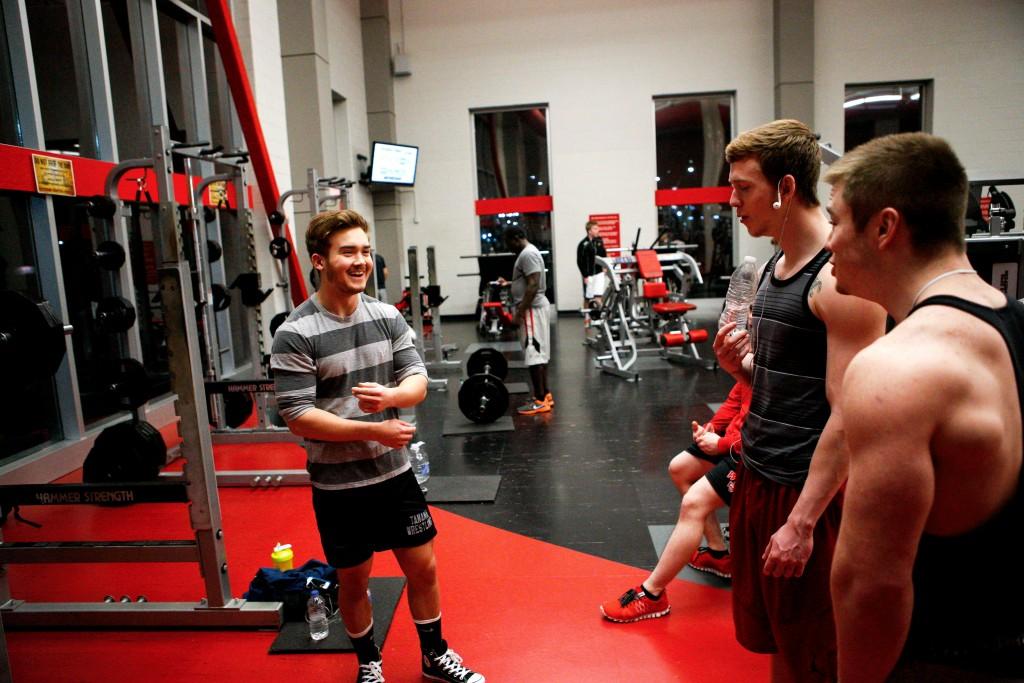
<point>28,414</point>
<point>872,111</point>
<point>181,125</point>
<point>66,113</point>
<point>8,116</point>
<point>142,250</point>
<point>129,124</point>
<point>512,153</point>
<point>691,132</point>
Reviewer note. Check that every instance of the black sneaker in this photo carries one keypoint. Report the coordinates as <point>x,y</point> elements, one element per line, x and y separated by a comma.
<point>370,673</point>
<point>448,667</point>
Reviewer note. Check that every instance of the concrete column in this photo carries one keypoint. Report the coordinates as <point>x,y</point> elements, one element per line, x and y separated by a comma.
<point>305,63</point>
<point>794,59</point>
<point>387,234</point>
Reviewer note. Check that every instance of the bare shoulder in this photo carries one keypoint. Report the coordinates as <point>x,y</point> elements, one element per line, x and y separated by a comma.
<point>836,309</point>
<point>906,373</point>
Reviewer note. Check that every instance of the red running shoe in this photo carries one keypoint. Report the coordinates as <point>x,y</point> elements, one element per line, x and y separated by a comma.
<point>704,561</point>
<point>634,605</point>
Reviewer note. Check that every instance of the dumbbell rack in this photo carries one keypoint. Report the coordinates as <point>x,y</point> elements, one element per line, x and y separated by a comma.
<point>198,488</point>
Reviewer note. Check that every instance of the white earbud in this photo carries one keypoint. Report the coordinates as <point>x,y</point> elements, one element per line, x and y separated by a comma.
<point>777,204</point>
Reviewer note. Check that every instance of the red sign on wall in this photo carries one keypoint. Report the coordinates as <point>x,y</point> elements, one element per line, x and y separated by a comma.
<point>608,228</point>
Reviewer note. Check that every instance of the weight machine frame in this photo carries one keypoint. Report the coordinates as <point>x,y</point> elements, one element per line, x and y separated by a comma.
<point>207,549</point>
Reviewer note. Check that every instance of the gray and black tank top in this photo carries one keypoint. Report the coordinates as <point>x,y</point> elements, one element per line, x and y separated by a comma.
<point>788,410</point>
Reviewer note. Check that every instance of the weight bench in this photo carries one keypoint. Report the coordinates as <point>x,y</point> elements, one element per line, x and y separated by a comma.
<point>667,317</point>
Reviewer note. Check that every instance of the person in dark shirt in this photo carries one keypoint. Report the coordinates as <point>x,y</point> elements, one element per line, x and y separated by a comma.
<point>933,427</point>
<point>587,250</point>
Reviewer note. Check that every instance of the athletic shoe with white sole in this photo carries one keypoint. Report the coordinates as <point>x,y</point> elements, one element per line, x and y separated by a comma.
<point>634,605</point>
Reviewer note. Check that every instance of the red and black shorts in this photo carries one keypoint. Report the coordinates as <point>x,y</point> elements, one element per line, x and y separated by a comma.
<point>355,523</point>
<point>792,617</point>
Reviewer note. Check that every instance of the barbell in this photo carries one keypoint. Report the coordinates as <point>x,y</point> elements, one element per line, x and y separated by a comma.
<point>483,397</point>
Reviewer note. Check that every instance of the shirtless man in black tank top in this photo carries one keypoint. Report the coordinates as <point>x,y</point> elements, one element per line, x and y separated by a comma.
<point>933,424</point>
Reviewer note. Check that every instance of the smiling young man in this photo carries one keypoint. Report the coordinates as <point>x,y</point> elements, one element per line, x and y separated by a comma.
<point>344,363</point>
<point>933,423</point>
<point>800,337</point>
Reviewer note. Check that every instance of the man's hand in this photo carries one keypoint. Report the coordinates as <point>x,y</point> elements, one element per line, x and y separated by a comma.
<point>373,397</point>
<point>517,317</point>
<point>788,551</point>
<point>395,433</point>
<point>731,347</point>
<point>501,281</point>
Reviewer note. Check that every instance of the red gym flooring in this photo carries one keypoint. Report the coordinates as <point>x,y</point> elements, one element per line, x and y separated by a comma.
<point>518,607</point>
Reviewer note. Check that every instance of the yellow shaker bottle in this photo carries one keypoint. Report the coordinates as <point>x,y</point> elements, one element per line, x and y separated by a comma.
<point>282,556</point>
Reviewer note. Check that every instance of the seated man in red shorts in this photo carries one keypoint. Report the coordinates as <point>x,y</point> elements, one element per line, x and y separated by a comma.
<point>712,457</point>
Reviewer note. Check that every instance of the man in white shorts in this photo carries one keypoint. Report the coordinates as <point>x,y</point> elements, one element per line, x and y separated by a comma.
<point>532,314</point>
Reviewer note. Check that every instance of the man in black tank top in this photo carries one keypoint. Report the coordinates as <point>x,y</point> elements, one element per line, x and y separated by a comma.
<point>784,517</point>
<point>933,425</point>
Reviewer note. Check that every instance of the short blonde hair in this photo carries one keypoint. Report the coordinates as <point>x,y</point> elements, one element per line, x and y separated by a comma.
<point>783,147</point>
<point>326,223</point>
<point>917,174</point>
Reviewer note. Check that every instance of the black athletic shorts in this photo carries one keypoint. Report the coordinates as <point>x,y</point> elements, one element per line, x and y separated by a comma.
<point>355,523</point>
<point>695,450</point>
<point>722,478</point>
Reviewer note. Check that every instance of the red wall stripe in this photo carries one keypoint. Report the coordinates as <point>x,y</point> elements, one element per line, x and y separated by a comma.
<point>534,204</point>
<point>693,195</point>
<point>16,175</point>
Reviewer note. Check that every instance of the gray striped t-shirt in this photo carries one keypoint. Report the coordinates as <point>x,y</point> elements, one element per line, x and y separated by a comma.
<point>318,357</point>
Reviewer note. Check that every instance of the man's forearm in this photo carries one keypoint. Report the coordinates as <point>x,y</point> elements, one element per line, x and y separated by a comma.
<point>828,471</point>
<point>321,425</point>
<point>411,391</point>
<point>528,297</point>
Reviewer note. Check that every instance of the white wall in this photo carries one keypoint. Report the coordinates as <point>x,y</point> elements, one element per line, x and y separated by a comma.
<point>345,43</point>
<point>974,52</point>
<point>597,64</point>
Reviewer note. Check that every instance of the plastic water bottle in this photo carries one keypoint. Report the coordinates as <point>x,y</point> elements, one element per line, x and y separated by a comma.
<point>740,294</point>
<point>316,615</point>
<point>420,463</point>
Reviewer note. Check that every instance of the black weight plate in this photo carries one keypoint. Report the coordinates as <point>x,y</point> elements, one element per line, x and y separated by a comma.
<point>109,255</point>
<point>114,314</point>
<point>125,452</point>
<point>276,322</point>
<point>483,399</point>
<point>127,379</point>
<point>275,218</point>
<point>221,297</point>
<point>280,248</point>
<point>237,409</point>
<point>213,251</point>
<point>487,360</point>
<point>101,206</point>
<point>31,339</point>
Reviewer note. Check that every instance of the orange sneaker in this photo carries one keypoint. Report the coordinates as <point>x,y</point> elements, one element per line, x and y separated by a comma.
<point>534,407</point>
<point>549,399</point>
<point>634,605</point>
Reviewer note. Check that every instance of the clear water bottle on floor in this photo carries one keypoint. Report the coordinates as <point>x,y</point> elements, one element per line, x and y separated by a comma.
<point>740,294</point>
<point>316,615</point>
<point>420,463</point>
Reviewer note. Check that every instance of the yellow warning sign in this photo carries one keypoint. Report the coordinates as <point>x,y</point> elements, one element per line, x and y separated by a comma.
<point>53,175</point>
<point>218,194</point>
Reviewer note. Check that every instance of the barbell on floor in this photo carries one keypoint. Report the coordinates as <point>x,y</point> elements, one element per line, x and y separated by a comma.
<point>483,397</point>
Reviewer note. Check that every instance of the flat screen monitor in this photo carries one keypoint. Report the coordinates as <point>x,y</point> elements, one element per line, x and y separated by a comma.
<point>393,164</point>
